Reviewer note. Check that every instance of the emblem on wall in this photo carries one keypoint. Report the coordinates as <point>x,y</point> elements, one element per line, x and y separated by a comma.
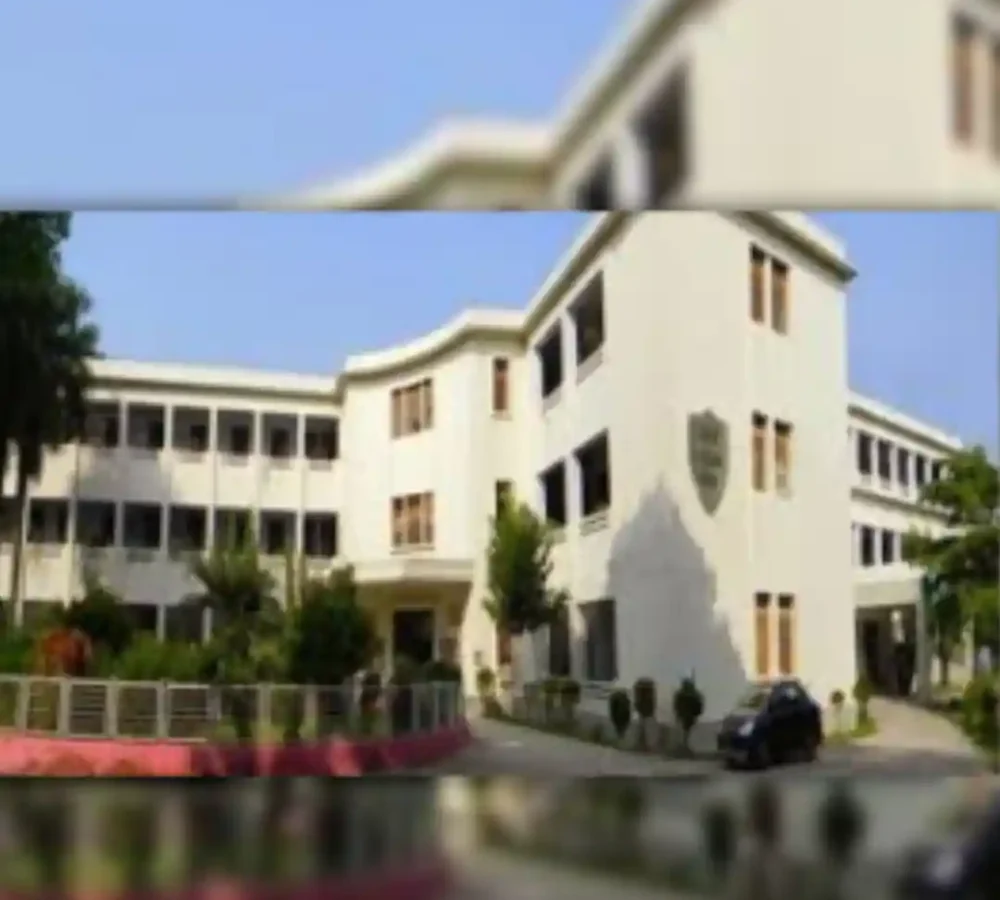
<point>708,457</point>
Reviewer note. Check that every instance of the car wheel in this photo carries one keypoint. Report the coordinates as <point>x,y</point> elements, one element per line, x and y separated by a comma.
<point>811,749</point>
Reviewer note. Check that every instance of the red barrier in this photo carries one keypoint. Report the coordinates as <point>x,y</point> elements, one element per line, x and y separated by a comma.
<point>427,881</point>
<point>23,754</point>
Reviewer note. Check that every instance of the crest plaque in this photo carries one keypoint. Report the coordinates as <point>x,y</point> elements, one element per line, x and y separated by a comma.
<point>708,457</point>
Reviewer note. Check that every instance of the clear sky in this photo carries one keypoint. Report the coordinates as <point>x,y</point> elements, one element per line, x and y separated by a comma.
<point>116,98</point>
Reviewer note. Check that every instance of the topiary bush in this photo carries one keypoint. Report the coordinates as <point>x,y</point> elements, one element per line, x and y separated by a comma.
<point>569,698</point>
<point>620,712</point>
<point>644,701</point>
<point>862,697</point>
<point>837,699</point>
<point>689,704</point>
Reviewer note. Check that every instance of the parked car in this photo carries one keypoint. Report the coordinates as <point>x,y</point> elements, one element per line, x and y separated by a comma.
<point>774,723</point>
<point>962,862</point>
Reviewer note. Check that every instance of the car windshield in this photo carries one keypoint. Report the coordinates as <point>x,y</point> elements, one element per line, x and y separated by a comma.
<point>755,698</point>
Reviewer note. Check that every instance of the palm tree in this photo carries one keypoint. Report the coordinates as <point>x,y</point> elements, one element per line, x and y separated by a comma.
<point>248,620</point>
<point>52,346</point>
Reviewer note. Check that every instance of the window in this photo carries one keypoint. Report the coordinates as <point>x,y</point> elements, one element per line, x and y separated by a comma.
<point>786,634</point>
<point>502,492</point>
<point>601,640</point>
<point>560,662</point>
<point>550,362</point>
<point>187,528</point>
<point>596,193</point>
<point>320,535</point>
<point>279,444</point>
<point>888,547</point>
<point>413,520</point>
<point>198,437</point>
<point>936,468</point>
<point>412,408</point>
<point>963,71</point>
<point>783,457</point>
<point>503,646</point>
<point>663,130</point>
<point>867,536</point>
<point>595,476</point>
<point>322,439</point>
<point>554,494</point>
<point>95,523</point>
<point>758,261</point>
<point>865,441</point>
<point>903,466</point>
<point>762,633</point>
<point>588,319</point>
<point>919,470</point>
<point>758,448</point>
<point>779,297</point>
<point>239,440</point>
<point>501,385</point>
<point>143,526</point>
<point>884,460</point>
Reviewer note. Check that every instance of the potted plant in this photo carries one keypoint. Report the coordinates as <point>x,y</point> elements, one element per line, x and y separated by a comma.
<point>644,701</point>
<point>689,704</point>
<point>620,712</point>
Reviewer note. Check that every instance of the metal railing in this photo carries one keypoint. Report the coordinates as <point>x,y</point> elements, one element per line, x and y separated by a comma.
<point>86,707</point>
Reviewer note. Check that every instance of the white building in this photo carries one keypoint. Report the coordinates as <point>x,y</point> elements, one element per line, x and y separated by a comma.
<point>716,103</point>
<point>674,399</point>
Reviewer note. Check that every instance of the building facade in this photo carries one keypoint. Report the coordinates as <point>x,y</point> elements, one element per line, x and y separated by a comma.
<point>674,400</point>
<point>715,103</point>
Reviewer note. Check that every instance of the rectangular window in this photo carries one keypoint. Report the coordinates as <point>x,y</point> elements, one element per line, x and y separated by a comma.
<point>919,470</point>
<point>758,264</point>
<point>867,549</point>
<point>783,457</point>
<point>786,634</point>
<point>963,79</point>
<point>936,470</point>
<point>758,448</point>
<point>601,640</point>
<point>554,494</point>
<point>762,633</point>
<point>550,363</point>
<point>864,453</point>
<point>501,386</point>
<point>588,319</point>
<point>888,547</point>
<point>779,297</point>
<point>412,408</point>
<point>413,520</point>
<point>903,466</point>
<point>884,453</point>
<point>502,491</point>
<point>594,464</point>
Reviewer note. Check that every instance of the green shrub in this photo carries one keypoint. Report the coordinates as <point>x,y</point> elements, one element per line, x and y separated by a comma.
<point>405,675</point>
<point>17,652</point>
<point>148,659</point>
<point>689,704</point>
<point>440,671</point>
<point>620,712</point>
<point>102,616</point>
<point>979,711</point>
<point>862,696</point>
<point>837,698</point>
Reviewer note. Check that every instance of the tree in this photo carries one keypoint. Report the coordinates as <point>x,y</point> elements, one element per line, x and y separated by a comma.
<point>962,565</point>
<point>100,615</point>
<point>519,566</point>
<point>332,635</point>
<point>29,255</point>
<point>50,344</point>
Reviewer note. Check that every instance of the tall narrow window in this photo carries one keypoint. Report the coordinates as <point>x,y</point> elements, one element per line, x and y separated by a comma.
<point>762,634</point>
<point>783,457</point>
<point>398,522</point>
<point>501,386</point>
<point>427,406</point>
<point>758,262</point>
<point>786,634</point>
<point>779,297</point>
<point>758,447</point>
<point>963,79</point>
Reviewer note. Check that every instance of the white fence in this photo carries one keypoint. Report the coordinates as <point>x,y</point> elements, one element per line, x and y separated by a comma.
<point>84,707</point>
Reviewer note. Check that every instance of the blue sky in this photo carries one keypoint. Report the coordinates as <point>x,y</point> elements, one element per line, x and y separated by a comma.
<point>302,291</point>
<point>116,99</point>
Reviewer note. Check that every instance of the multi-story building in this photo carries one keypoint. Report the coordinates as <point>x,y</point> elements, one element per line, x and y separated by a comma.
<point>715,103</point>
<point>893,458</point>
<point>674,400</point>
